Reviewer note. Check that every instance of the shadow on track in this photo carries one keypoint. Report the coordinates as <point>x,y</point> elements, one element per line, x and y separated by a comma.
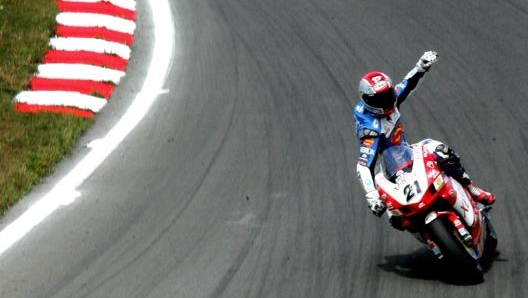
<point>421,264</point>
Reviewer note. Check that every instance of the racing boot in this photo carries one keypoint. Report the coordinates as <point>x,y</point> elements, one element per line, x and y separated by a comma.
<point>449,162</point>
<point>480,195</point>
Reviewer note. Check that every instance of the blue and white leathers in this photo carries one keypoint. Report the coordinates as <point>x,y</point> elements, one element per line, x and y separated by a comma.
<point>375,133</point>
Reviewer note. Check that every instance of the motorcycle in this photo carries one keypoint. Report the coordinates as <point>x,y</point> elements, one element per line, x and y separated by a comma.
<point>435,208</point>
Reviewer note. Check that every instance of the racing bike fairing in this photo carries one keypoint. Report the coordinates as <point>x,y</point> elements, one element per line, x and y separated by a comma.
<point>411,189</point>
<point>416,190</point>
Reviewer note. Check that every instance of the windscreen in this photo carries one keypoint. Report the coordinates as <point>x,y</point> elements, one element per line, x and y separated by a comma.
<point>395,159</point>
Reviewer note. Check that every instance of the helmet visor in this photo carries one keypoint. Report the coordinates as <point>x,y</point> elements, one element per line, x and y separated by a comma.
<point>383,100</point>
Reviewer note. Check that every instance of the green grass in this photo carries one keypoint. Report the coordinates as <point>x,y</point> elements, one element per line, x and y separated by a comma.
<point>30,144</point>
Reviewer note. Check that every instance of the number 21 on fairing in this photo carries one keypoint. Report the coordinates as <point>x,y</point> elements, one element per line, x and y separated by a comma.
<point>411,190</point>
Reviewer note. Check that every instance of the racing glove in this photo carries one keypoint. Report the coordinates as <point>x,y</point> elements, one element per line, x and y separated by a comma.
<point>375,203</point>
<point>424,63</point>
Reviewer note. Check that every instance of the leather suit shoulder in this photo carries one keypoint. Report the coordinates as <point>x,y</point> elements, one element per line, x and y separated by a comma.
<point>366,124</point>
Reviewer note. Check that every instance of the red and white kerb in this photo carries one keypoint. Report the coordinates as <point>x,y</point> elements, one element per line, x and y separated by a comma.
<point>86,59</point>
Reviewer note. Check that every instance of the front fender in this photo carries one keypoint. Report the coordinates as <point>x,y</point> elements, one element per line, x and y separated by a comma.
<point>465,236</point>
<point>436,214</point>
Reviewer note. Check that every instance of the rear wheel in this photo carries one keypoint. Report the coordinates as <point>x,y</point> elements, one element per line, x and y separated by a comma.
<point>456,254</point>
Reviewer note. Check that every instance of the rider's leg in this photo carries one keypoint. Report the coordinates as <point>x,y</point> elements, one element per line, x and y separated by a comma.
<point>449,162</point>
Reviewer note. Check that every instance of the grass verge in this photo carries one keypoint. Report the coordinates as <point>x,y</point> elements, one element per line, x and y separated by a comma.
<point>30,144</point>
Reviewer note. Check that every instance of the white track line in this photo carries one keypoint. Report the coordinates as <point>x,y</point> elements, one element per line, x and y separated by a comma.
<point>65,191</point>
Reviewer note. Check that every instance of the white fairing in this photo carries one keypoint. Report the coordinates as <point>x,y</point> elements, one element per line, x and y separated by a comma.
<point>409,188</point>
<point>463,204</point>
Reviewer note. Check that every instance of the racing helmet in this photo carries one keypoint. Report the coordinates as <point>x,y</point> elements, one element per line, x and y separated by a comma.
<point>377,93</point>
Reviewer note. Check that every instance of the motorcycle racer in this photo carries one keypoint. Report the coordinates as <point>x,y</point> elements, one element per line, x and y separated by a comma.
<point>378,126</point>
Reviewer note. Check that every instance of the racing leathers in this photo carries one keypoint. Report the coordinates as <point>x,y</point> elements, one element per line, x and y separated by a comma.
<point>376,133</point>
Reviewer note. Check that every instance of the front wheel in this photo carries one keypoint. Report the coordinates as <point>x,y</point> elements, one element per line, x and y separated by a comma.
<point>491,239</point>
<point>456,254</point>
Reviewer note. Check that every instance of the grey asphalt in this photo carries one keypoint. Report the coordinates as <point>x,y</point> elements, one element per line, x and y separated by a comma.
<point>241,180</point>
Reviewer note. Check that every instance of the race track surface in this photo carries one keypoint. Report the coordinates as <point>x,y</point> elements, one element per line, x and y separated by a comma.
<point>241,180</point>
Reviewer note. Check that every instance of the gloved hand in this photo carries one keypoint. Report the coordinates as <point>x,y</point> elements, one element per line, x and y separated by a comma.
<point>427,59</point>
<point>375,203</point>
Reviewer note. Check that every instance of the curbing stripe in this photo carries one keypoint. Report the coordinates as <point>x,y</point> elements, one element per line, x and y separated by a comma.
<point>128,4</point>
<point>86,57</point>
<point>97,7</point>
<point>94,32</point>
<point>91,45</point>
<point>79,72</point>
<point>80,19</point>
<point>83,86</point>
<point>62,98</point>
<point>33,108</point>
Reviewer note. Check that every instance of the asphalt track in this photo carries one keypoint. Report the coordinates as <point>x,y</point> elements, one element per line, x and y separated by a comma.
<point>241,180</point>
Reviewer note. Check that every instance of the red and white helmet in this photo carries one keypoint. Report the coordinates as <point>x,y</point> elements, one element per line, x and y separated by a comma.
<point>377,93</point>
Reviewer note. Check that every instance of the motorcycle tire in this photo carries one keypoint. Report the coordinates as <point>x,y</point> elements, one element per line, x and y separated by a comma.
<point>454,251</point>
<point>490,245</point>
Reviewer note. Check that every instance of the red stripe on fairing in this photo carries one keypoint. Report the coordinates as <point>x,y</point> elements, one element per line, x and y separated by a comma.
<point>94,32</point>
<point>97,7</point>
<point>82,86</point>
<point>27,108</point>
<point>86,57</point>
